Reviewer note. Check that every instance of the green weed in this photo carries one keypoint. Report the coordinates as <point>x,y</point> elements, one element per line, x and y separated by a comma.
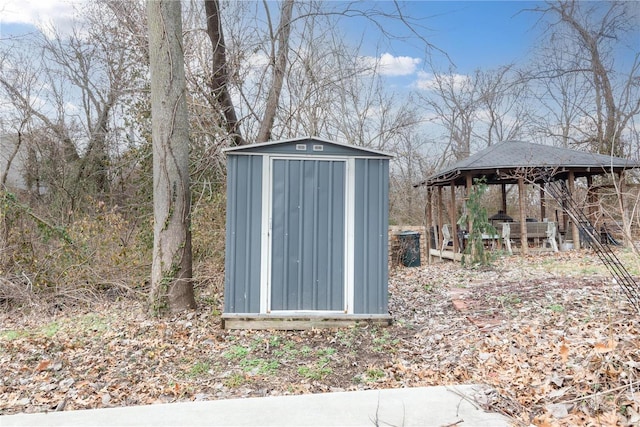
<point>556,308</point>
<point>235,380</point>
<point>269,367</point>
<point>509,299</point>
<point>12,335</point>
<point>213,303</point>
<point>260,366</point>
<point>315,372</point>
<point>48,330</point>
<point>326,351</point>
<point>236,352</point>
<point>374,374</point>
<point>199,369</point>
<point>94,323</point>
<point>51,329</point>
<point>347,337</point>
<point>286,350</point>
<point>384,343</point>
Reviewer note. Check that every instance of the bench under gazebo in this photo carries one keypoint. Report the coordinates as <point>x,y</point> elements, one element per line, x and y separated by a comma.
<point>517,163</point>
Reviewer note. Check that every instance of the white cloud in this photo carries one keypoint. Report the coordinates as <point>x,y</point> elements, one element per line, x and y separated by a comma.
<point>389,65</point>
<point>35,12</point>
<point>428,81</point>
<point>48,16</point>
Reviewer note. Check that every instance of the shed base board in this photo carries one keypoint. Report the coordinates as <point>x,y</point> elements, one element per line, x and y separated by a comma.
<point>300,321</point>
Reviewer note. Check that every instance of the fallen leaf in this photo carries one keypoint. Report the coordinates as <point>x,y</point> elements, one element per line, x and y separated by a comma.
<point>564,353</point>
<point>557,380</point>
<point>605,347</point>
<point>43,365</point>
<point>544,420</point>
<point>558,410</point>
<point>633,416</point>
<point>429,343</point>
<point>558,393</point>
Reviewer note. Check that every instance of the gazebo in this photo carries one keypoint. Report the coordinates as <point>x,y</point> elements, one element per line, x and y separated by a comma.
<point>517,163</point>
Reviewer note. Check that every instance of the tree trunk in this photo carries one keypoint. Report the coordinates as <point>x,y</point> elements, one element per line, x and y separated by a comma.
<point>608,141</point>
<point>279,62</point>
<point>171,274</point>
<point>95,161</point>
<point>220,73</point>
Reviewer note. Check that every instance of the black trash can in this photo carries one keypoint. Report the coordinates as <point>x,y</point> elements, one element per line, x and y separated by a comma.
<point>409,248</point>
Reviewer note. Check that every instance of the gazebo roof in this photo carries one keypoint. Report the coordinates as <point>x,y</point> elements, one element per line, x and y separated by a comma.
<point>500,163</point>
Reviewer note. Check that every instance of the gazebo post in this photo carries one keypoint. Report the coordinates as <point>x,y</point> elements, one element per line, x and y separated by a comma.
<point>429,226</point>
<point>543,203</point>
<point>575,232</point>
<point>624,207</point>
<point>503,187</point>
<point>440,218</point>
<point>592,199</point>
<point>452,218</point>
<point>469,185</point>
<point>523,217</point>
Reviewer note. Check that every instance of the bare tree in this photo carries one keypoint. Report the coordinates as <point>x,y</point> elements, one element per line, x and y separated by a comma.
<point>95,62</point>
<point>278,60</point>
<point>171,275</point>
<point>267,68</point>
<point>501,108</point>
<point>82,79</point>
<point>45,130</point>
<point>454,100</point>
<point>219,80</point>
<point>593,31</point>
<point>411,164</point>
<point>560,100</point>
<point>17,81</point>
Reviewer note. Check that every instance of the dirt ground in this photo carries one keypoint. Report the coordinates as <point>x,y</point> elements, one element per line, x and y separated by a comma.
<point>551,334</point>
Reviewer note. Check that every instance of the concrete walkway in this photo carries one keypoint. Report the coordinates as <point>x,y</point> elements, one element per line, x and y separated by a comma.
<point>425,406</point>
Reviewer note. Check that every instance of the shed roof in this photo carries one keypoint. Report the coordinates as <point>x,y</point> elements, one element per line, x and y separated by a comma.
<point>271,146</point>
<point>501,160</point>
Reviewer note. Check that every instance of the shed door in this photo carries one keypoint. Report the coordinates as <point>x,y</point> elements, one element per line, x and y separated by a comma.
<point>307,235</point>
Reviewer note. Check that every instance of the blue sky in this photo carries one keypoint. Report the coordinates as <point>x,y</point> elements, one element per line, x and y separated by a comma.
<point>479,34</point>
<point>474,34</point>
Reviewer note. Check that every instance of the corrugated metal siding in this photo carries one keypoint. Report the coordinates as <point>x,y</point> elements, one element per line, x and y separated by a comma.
<point>244,216</point>
<point>308,235</point>
<point>371,239</point>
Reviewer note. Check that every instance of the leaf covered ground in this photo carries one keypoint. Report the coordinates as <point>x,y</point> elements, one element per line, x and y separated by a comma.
<point>554,338</point>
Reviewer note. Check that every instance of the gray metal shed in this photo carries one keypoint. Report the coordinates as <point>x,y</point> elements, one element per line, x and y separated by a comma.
<point>306,241</point>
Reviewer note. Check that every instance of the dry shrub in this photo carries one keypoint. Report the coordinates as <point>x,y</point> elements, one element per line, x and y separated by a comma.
<point>16,291</point>
<point>101,253</point>
<point>208,239</point>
